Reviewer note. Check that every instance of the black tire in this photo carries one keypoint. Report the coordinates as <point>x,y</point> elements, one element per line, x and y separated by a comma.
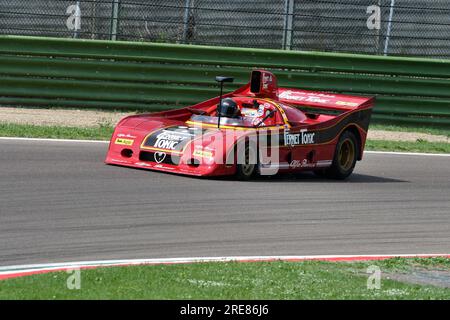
<point>320,173</point>
<point>345,157</point>
<point>247,170</point>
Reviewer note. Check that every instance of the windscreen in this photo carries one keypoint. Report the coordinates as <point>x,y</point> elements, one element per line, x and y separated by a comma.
<point>237,122</point>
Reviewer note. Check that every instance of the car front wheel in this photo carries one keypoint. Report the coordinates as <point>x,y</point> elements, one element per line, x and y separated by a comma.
<point>247,169</point>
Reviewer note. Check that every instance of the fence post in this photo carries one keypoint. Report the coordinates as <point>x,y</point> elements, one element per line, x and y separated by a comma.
<point>378,35</point>
<point>288,24</point>
<point>389,28</point>
<point>94,19</point>
<point>114,19</point>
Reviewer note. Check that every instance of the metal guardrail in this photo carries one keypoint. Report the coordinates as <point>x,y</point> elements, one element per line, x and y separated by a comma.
<point>153,76</point>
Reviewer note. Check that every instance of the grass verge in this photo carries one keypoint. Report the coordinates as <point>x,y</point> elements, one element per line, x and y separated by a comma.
<point>104,132</point>
<point>407,146</point>
<point>101,132</point>
<point>410,128</point>
<point>266,280</point>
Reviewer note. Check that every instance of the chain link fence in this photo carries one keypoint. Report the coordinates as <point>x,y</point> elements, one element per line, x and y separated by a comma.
<point>381,27</point>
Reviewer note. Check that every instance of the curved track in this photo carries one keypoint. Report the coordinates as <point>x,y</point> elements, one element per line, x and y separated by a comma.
<point>59,202</point>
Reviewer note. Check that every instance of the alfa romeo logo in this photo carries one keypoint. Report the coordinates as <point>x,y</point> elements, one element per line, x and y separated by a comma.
<point>159,156</point>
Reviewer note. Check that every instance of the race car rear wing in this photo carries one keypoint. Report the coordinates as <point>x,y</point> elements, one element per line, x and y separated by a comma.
<point>264,84</point>
<point>323,100</point>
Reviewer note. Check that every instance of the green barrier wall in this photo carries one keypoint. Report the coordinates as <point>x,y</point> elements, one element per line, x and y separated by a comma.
<point>153,76</point>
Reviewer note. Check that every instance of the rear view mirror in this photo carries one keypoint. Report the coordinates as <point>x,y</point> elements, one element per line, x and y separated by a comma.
<point>224,79</point>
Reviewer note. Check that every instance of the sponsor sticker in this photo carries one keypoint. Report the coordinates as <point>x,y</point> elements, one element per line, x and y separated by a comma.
<point>267,80</point>
<point>172,138</point>
<point>304,137</point>
<point>347,103</point>
<point>301,164</point>
<point>305,97</point>
<point>203,153</point>
<point>124,142</point>
<point>142,164</point>
<point>169,140</point>
<point>260,110</point>
<point>249,112</point>
<point>126,135</point>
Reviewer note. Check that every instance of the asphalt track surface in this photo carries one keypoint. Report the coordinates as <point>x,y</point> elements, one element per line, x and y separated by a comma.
<point>59,202</point>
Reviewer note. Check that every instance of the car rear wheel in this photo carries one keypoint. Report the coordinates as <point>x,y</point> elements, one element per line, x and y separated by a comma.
<point>345,157</point>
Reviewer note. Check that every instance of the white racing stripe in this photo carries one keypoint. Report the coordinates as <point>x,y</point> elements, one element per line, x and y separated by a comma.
<point>102,141</point>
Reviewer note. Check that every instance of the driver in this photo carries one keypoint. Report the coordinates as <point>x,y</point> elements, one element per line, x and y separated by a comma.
<point>228,108</point>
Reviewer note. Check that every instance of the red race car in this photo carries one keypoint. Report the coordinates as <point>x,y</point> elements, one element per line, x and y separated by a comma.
<point>257,129</point>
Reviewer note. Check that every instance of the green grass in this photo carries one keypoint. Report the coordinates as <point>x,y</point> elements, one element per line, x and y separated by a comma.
<point>407,146</point>
<point>104,132</point>
<point>410,128</point>
<point>268,280</point>
<point>101,132</point>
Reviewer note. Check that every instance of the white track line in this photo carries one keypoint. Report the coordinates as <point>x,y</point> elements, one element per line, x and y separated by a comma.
<point>53,140</point>
<point>20,270</point>
<point>409,153</point>
<point>104,142</point>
